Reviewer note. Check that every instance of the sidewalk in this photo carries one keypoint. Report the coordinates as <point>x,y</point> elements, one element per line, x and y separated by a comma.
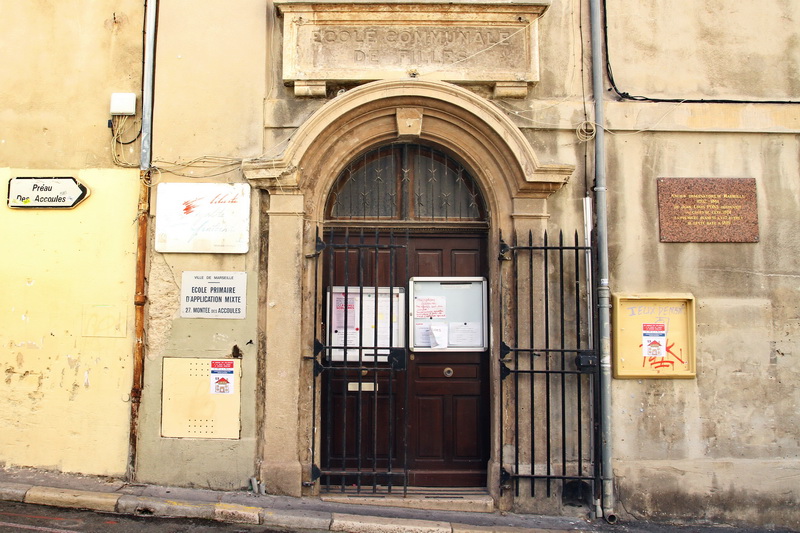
<point>311,514</point>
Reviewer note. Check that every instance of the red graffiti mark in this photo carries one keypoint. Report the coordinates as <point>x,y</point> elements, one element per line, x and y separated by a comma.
<point>190,205</point>
<point>673,354</point>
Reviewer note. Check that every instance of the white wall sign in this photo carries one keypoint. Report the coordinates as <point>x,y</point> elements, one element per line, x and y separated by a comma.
<point>203,218</point>
<point>46,193</point>
<point>213,294</point>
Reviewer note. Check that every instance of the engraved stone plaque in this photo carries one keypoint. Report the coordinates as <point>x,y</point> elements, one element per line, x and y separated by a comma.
<point>707,210</point>
<point>456,41</point>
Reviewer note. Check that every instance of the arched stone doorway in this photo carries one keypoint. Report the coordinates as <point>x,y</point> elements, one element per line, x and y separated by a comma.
<point>454,120</point>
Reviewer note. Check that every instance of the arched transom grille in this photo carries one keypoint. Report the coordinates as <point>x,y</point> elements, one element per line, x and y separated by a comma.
<point>405,182</point>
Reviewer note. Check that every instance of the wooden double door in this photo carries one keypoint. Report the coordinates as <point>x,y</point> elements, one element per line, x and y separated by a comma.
<point>424,420</point>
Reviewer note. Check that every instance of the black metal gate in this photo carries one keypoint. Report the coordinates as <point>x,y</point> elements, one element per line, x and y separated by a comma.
<point>360,361</point>
<point>549,370</point>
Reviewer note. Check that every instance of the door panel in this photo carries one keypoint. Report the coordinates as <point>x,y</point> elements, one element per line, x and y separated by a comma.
<point>461,424</point>
<point>447,419</point>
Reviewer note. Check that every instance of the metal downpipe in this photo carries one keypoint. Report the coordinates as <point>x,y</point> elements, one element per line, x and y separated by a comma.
<point>140,296</point>
<point>603,290</point>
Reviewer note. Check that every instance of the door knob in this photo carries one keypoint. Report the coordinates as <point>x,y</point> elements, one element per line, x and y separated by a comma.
<point>448,372</point>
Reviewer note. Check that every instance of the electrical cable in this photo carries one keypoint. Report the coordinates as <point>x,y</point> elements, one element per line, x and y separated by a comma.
<point>627,96</point>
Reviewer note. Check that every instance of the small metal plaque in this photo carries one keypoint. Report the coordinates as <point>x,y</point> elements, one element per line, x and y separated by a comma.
<point>707,210</point>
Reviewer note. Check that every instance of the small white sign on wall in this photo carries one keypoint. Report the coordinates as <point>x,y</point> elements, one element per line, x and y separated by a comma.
<point>213,294</point>
<point>203,218</point>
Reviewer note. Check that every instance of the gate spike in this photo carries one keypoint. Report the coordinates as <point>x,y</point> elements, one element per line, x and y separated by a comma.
<point>318,347</point>
<point>504,371</point>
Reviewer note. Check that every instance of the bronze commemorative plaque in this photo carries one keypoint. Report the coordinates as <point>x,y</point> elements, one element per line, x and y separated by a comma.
<point>707,210</point>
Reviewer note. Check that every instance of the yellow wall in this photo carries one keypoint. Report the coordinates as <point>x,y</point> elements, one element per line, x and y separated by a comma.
<point>66,310</point>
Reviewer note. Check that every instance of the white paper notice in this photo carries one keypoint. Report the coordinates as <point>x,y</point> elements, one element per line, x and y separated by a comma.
<point>466,334</point>
<point>422,334</point>
<point>654,340</point>
<point>439,335</point>
<point>430,307</point>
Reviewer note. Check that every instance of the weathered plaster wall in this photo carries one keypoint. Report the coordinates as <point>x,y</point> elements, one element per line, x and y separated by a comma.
<point>208,116</point>
<point>67,315</point>
<point>708,49</point>
<point>210,79</point>
<point>66,307</point>
<point>723,445</point>
<point>61,65</point>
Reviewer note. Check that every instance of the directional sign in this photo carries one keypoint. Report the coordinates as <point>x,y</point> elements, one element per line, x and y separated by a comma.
<point>45,193</point>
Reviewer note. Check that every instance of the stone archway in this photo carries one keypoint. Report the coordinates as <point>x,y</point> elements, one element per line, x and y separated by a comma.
<point>513,181</point>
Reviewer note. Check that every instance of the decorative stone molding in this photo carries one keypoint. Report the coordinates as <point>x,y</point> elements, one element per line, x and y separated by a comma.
<point>462,41</point>
<point>482,136</point>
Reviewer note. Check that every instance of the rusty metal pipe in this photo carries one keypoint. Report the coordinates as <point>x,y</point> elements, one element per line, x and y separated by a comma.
<point>140,295</point>
<point>139,301</point>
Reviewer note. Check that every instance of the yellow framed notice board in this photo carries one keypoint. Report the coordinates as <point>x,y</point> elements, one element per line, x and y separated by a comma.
<point>654,336</point>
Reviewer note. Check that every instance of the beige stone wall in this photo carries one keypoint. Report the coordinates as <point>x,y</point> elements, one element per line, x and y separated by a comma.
<point>67,300</point>
<point>684,448</point>
<point>208,116</point>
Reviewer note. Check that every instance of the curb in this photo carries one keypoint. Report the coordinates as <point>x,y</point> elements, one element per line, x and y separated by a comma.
<point>126,504</point>
<point>79,499</point>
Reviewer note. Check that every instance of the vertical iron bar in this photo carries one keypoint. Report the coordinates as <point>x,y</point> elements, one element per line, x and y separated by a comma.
<point>562,334</point>
<point>531,296</point>
<point>404,418</point>
<point>546,280</point>
<point>390,392</point>
<point>578,346</point>
<point>358,423</point>
<point>375,351</point>
<point>516,367</point>
<point>313,372</point>
<point>346,354</point>
<point>329,356</point>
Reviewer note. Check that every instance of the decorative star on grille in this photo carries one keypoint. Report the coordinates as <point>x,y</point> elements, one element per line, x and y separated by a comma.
<point>393,198</point>
<point>473,200</point>
<point>446,199</point>
<point>419,196</point>
<point>432,174</point>
<point>364,199</point>
<point>378,177</point>
<point>405,172</point>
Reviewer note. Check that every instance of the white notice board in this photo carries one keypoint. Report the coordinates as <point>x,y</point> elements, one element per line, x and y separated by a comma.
<point>359,320</point>
<point>203,218</point>
<point>448,314</point>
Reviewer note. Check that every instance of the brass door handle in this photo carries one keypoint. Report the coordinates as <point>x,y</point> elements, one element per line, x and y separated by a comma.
<point>448,372</point>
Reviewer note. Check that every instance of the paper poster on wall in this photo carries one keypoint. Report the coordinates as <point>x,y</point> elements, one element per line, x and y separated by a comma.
<point>363,323</point>
<point>448,314</point>
<point>430,307</point>
<point>654,340</point>
<point>465,333</point>
<point>203,218</point>
<point>222,378</point>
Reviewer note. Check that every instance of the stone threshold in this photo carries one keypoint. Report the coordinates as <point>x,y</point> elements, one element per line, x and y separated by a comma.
<point>468,499</point>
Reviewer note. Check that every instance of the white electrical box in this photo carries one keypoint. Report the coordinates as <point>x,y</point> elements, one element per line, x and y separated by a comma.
<point>123,103</point>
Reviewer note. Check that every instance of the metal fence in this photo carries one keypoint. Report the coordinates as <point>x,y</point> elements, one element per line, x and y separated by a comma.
<point>549,370</point>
